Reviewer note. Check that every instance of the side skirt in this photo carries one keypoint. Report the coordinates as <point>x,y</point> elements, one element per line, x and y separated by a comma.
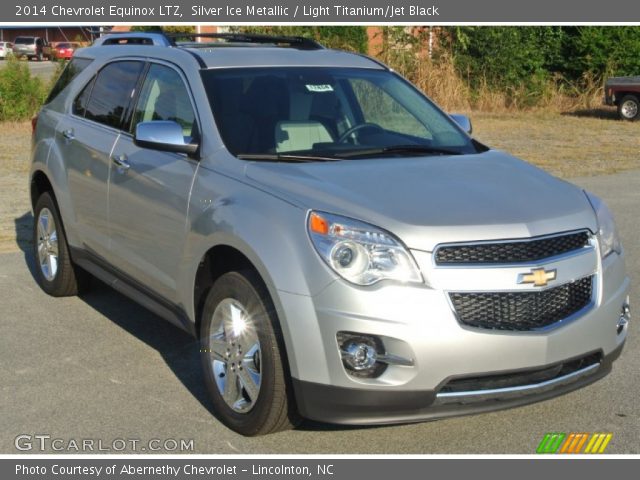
<point>129,287</point>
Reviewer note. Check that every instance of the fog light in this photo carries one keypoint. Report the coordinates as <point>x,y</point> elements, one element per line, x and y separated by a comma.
<point>366,355</point>
<point>625,316</point>
<point>360,354</point>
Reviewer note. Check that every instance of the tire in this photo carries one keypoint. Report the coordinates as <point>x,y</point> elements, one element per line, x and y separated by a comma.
<point>629,108</point>
<point>258,397</point>
<point>55,272</point>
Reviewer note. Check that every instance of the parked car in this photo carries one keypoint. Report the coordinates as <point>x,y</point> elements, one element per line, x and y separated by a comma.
<point>64,50</point>
<point>341,248</point>
<point>624,93</point>
<point>6,49</point>
<point>32,47</point>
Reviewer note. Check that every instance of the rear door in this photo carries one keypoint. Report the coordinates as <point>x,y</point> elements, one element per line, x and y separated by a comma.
<point>86,139</point>
<point>149,196</point>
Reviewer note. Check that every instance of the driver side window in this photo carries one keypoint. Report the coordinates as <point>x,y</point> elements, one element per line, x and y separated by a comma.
<point>164,96</point>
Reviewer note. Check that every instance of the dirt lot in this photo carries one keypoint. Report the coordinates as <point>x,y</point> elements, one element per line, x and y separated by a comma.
<point>568,145</point>
<point>15,216</point>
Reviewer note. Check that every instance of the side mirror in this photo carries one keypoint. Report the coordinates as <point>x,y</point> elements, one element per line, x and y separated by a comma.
<point>463,121</point>
<point>163,135</point>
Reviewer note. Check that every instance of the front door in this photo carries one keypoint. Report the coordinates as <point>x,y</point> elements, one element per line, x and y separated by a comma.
<point>149,192</point>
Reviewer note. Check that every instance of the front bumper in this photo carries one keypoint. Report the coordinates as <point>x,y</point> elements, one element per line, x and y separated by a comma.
<point>354,406</point>
<point>418,323</point>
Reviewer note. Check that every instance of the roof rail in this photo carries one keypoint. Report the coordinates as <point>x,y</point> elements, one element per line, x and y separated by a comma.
<point>135,38</point>
<point>302,43</point>
<point>163,39</point>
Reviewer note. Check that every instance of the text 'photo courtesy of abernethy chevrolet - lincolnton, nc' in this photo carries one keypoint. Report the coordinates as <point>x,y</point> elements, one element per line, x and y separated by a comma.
<point>342,249</point>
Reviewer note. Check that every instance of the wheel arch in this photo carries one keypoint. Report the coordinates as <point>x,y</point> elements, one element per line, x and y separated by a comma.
<point>620,94</point>
<point>225,257</point>
<point>39,184</point>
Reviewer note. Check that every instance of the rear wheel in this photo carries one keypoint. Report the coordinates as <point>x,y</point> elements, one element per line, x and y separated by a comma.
<point>629,108</point>
<point>242,357</point>
<point>55,272</point>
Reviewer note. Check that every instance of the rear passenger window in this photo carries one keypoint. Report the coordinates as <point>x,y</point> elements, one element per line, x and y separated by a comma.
<point>164,96</point>
<point>71,71</point>
<point>111,92</point>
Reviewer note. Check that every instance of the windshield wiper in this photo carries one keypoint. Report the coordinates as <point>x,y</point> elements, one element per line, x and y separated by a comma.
<point>394,149</point>
<point>278,157</point>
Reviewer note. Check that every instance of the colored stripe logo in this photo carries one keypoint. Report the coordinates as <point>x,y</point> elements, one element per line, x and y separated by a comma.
<point>593,443</point>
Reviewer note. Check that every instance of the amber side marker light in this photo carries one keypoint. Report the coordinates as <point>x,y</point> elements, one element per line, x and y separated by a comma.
<point>317,224</point>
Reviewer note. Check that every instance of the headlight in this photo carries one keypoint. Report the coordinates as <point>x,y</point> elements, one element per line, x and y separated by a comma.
<point>359,252</point>
<point>607,231</point>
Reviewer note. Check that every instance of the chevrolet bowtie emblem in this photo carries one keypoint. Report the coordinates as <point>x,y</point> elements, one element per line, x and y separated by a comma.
<point>538,276</point>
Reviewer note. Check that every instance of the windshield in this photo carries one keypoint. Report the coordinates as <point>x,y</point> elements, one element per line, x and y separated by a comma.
<point>327,112</point>
<point>24,41</point>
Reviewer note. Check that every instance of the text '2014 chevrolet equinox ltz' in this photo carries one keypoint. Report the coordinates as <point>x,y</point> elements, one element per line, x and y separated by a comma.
<point>343,250</point>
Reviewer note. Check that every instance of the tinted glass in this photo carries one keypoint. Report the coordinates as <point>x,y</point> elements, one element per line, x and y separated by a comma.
<point>24,41</point>
<point>164,96</point>
<point>71,71</point>
<point>112,92</point>
<point>325,112</point>
<point>80,103</point>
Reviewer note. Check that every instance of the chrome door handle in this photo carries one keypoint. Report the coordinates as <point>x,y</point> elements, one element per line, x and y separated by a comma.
<point>68,134</point>
<point>121,162</point>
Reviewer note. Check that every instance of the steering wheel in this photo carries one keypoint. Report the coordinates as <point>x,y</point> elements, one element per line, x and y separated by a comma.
<point>357,128</point>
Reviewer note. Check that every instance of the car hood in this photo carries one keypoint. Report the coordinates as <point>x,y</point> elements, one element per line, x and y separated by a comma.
<point>435,199</point>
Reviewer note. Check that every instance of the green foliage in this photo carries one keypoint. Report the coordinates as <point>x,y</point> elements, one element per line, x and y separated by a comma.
<point>507,58</point>
<point>172,29</point>
<point>165,28</point>
<point>21,94</point>
<point>343,38</point>
<point>601,51</point>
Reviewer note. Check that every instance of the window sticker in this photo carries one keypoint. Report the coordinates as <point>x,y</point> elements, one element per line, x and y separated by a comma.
<point>319,88</point>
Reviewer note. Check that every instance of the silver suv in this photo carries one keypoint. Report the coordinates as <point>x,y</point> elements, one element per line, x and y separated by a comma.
<point>343,250</point>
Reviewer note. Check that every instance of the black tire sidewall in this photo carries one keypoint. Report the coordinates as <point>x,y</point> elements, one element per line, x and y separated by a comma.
<point>53,286</point>
<point>236,285</point>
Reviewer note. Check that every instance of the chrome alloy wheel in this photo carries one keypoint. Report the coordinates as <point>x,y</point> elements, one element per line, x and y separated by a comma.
<point>47,244</point>
<point>629,109</point>
<point>235,353</point>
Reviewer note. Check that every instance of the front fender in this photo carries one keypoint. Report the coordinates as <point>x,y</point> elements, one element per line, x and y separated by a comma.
<point>267,230</point>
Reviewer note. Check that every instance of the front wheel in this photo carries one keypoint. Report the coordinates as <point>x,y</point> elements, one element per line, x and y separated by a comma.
<point>629,108</point>
<point>243,357</point>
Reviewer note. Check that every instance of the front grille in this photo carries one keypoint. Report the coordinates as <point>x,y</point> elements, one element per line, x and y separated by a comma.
<point>521,310</point>
<point>511,252</point>
<point>520,378</point>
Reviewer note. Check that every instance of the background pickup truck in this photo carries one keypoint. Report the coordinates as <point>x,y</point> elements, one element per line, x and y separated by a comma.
<point>624,92</point>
